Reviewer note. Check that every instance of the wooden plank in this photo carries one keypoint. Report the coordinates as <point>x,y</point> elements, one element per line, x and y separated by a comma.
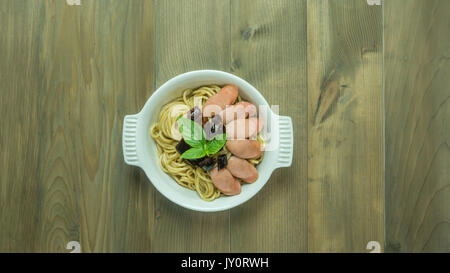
<point>345,142</point>
<point>72,73</point>
<point>417,69</point>
<point>269,51</point>
<point>20,198</point>
<point>116,59</point>
<point>190,35</point>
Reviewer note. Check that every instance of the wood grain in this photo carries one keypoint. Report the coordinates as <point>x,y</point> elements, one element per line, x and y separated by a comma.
<point>269,50</point>
<point>190,35</point>
<point>72,72</point>
<point>117,200</point>
<point>417,69</point>
<point>21,192</point>
<point>345,141</point>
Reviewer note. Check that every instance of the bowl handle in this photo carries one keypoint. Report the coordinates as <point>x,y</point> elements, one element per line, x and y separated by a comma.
<point>286,142</point>
<point>130,124</point>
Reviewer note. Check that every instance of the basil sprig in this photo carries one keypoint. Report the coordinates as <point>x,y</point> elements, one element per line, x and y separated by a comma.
<point>194,135</point>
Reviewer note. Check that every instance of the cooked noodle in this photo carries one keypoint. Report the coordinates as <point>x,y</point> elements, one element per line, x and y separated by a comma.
<point>170,161</point>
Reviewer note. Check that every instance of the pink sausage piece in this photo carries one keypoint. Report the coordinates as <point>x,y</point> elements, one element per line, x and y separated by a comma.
<point>240,110</point>
<point>243,128</point>
<point>225,182</point>
<point>242,169</point>
<point>245,148</point>
<point>216,103</point>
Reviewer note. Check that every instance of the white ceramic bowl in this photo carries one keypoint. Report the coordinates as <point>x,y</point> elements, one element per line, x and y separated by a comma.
<point>139,148</point>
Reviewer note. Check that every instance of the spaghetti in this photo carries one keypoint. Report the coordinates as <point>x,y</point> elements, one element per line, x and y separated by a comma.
<point>170,161</point>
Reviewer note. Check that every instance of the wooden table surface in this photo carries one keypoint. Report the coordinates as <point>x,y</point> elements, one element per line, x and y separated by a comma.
<point>367,87</point>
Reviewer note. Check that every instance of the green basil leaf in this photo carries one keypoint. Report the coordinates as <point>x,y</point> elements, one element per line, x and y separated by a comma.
<point>194,143</point>
<point>216,144</point>
<point>192,132</point>
<point>193,153</point>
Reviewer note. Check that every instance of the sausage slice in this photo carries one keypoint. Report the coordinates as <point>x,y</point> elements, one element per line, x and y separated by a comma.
<point>243,128</point>
<point>225,182</point>
<point>216,103</point>
<point>244,148</point>
<point>242,169</point>
<point>240,110</point>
